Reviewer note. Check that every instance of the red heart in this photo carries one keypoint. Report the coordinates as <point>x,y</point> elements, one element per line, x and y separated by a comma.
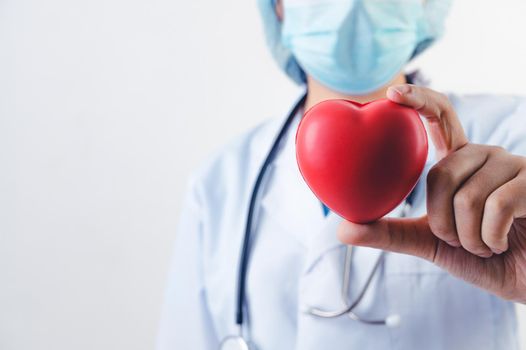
<point>361,161</point>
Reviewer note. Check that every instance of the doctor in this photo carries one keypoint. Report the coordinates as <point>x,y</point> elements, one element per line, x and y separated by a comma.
<point>462,238</point>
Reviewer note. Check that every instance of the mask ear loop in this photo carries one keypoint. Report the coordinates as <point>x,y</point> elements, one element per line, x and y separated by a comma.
<point>429,26</point>
<point>421,47</point>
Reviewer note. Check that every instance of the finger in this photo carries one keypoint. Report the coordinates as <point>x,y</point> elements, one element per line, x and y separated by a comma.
<point>503,206</point>
<point>444,126</point>
<point>443,181</point>
<point>407,236</point>
<point>470,199</point>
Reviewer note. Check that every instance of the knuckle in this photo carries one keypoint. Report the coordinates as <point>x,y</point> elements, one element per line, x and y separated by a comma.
<point>476,147</point>
<point>441,227</point>
<point>497,150</point>
<point>466,200</point>
<point>498,203</point>
<point>521,161</point>
<point>440,177</point>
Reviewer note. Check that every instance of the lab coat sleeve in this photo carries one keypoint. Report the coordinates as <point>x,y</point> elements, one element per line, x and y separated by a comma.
<point>515,130</point>
<point>185,320</point>
<point>509,131</point>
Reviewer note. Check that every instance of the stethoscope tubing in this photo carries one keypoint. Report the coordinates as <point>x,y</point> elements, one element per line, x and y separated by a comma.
<point>243,263</point>
<point>345,291</point>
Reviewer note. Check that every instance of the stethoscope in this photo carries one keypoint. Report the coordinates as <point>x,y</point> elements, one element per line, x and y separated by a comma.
<point>237,341</point>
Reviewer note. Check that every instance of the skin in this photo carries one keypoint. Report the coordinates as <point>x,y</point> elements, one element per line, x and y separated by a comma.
<point>475,227</point>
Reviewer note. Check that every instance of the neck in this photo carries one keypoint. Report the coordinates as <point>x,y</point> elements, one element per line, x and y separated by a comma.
<point>318,92</point>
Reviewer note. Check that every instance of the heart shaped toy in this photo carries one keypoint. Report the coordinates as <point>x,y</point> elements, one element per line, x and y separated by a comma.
<point>361,161</point>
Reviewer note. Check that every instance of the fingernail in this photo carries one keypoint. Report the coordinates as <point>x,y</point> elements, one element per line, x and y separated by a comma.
<point>487,254</point>
<point>454,243</point>
<point>401,89</point>
<point>497,251</point>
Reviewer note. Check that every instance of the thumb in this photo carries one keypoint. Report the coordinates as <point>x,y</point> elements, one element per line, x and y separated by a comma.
<point>407,236</point>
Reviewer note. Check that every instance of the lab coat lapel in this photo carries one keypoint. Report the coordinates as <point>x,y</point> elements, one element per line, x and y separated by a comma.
<point>287,199</point>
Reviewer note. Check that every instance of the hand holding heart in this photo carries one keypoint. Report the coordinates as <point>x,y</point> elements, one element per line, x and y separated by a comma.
<point>475,226</point>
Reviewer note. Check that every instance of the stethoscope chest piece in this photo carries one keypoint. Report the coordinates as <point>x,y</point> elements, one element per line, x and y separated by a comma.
<point>234,342</point>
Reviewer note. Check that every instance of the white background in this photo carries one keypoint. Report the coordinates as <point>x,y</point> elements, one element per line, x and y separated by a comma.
<point>107,105</point>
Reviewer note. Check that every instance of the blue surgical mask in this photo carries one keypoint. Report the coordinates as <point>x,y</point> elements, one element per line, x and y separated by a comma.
<point>358,46</point>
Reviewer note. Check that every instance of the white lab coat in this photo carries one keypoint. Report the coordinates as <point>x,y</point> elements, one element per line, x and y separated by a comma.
<point>296,260</point>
